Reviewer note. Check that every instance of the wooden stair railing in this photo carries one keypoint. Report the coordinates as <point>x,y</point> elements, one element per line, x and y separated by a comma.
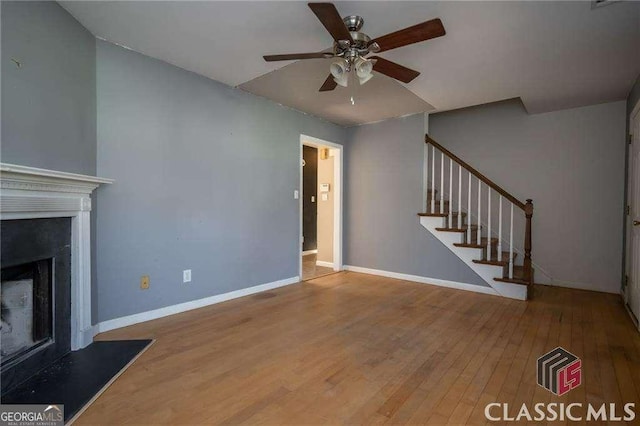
<point>445,209</point>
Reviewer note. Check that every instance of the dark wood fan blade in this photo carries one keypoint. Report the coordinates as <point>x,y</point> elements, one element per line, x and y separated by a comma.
<point>417,33</point>
<point>329,84</point>
<point>330,18</point>
<point>290,56</point>
<point>394,70</point>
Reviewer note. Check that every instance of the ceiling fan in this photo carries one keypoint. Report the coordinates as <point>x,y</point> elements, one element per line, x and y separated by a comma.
<point>351,46</point>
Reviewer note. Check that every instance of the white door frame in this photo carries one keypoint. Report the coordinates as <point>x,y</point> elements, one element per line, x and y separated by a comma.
<point>635,115</point>
<point>338,198</point>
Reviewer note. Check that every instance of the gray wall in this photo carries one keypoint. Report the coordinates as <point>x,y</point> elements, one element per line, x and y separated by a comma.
<point>205,176</point>
<point>383,194</point>
<point>48,104</point>
<point>570,162</point>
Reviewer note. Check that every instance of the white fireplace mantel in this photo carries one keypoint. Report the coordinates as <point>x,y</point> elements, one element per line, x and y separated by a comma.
<point>30,193</point>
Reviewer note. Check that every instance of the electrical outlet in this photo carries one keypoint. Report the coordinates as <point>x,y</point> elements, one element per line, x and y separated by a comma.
<point>144,282</point>
<point>186,276</point>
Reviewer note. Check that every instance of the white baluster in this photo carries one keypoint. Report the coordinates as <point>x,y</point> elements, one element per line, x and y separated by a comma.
<point>425,178</point>
<point>479,239</point>
<point>460,196</point>
<point>469,211</point>
<point>441,183</point>
<point>511,245</point>
<point>500,228</point>
<point>489,223</point>
<point>450,192</point>
<point>433,179</point>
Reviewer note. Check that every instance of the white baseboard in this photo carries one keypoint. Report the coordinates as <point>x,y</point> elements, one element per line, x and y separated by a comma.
<point>86,337</point>
<point>580,286</point>
<point>423,280</point>
<point>187,306</point>
<point>323,263</point>
<point>306,252</point>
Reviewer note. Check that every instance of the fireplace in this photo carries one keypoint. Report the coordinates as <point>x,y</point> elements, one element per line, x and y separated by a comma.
<point>27,317</point>
<point>45,267</point>
<point>35,298</point>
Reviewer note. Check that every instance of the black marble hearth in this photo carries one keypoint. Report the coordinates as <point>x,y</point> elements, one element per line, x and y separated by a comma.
<point>76,378</point>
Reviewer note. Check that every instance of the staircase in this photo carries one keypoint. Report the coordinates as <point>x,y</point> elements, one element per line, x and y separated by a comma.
<point>476,222</point>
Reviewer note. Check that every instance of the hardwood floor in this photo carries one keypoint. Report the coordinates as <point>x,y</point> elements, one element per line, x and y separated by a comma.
<point>360,349</point>
<point>310,270</point>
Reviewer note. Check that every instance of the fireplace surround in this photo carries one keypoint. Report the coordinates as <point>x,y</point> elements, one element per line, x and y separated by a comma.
<point>32,193</point>
<point>36,301</point>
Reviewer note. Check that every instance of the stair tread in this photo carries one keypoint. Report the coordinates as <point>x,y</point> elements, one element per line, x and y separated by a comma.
<point>512,281</point>
<point>518,274</point>
<point>465,229</point>
<point>503,262</point>
<point>446,214</point>
<point>494,241</point>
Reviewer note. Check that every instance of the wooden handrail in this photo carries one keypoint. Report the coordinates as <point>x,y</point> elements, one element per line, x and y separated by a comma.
<point>476,173</point>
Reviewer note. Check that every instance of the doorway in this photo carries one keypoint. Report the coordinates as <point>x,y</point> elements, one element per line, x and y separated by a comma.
<point>632,289</point>
<point>320,207</point>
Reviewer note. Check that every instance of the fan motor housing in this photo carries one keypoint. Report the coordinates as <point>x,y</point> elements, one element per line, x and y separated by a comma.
<point>353,22</point>
<point>360,44</point>
<point>360,40</point>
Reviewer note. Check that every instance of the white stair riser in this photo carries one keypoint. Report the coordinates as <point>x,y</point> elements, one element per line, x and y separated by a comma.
<point>510,290</point>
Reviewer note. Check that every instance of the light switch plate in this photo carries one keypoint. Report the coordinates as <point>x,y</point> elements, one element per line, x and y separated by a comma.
<point>186,276</point>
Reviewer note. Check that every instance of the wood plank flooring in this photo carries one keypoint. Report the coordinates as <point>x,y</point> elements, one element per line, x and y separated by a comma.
<point>310,270</point>
<point>351,348</point>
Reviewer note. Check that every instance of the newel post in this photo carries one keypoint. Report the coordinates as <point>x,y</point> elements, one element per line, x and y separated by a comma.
<point>528,271</point>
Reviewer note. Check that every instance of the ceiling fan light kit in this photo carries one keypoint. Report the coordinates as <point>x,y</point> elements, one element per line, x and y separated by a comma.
<point>364,69</point>
<point>351,47</point>
<point>364,79</point>
<point>340,69</point>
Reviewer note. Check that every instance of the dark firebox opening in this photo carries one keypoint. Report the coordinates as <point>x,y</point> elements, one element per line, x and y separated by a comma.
<point>27,310</point>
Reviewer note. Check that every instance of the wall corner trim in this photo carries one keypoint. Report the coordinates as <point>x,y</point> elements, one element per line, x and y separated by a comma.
<point>423,280</point>
<point>128,320</point>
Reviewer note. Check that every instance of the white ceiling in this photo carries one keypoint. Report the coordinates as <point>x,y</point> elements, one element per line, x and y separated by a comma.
<point>553,55</point>
<point>297,84</point>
